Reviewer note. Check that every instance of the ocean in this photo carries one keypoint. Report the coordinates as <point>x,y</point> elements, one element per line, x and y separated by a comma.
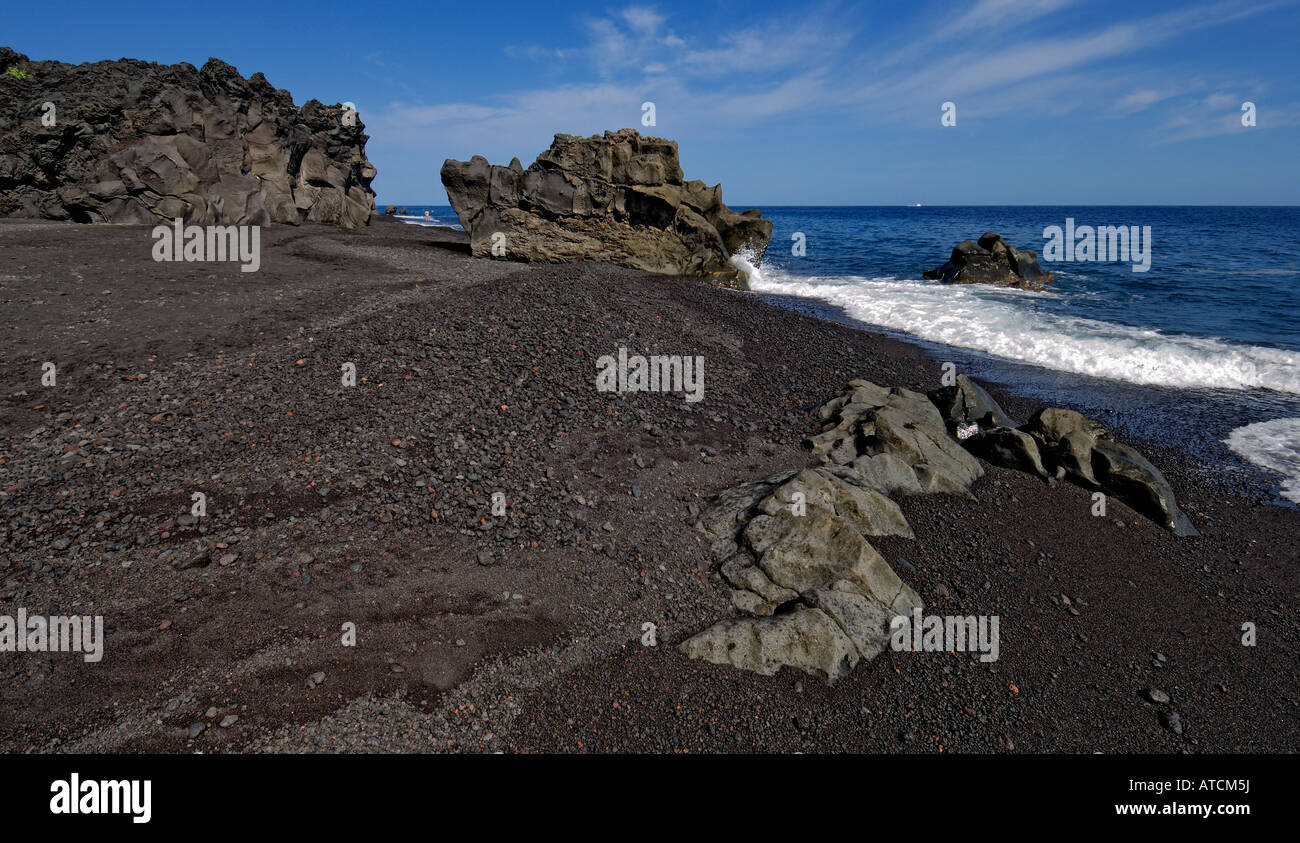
<point>1201,351</point>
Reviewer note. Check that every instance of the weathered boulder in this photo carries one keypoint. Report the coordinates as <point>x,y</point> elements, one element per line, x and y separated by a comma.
<point>895,439</point>
<point>1061,444</point>
<point>992,260</point>
<point>136,142</point>
<point>1054,424</point>
<point>967,403</point>
<point>1126,474</point>
<point>805,638</point>
<point>1085,453</point>
<point>1008,447</point>
<point>793,547</point>
<point>620,198</point>
<point>842,492</point>
<point>1066,438</point>
<point>815,594</point>
<point>800,552</point>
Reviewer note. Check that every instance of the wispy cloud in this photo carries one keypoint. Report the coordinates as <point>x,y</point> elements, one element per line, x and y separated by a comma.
<point>1138,101</point>
<point>645,19</point>
<point>995,58</point>
<point>1220,114</point>
<point>983,17</point>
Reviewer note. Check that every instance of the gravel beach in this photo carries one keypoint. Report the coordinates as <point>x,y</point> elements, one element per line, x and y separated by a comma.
<point>372,505</point>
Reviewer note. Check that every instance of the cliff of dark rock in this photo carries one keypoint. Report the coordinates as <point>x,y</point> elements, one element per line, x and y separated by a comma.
<point>136,142</point>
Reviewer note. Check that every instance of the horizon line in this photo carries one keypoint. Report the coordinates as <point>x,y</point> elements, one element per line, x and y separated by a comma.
<point>937,205</point>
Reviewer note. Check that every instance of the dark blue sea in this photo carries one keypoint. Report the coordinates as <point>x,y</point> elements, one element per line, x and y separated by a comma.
<point>1201,350</point>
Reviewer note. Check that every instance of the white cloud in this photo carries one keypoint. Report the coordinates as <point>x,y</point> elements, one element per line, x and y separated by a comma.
<point>1203,119</point>
<point>787,65</point>
<point>1138,101</point>
<point>643,18</point>
<point>773,47</point>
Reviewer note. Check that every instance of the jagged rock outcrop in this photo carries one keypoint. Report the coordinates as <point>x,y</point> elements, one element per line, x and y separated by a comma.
<point>1060,444</point>
<point>895,439</point>
<point>815,593</point>
<point>620,198</point>
<point>793,547</point>
<point>1084,452</point>
<point>967,403</point>
<point>992,260</point>
<point>136,142</point>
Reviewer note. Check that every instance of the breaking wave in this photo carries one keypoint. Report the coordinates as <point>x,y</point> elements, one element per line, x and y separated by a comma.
<point>1001,322</point>
<point>1274,445</point>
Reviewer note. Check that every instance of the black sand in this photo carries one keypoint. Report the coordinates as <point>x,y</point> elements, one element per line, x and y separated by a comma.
<point>372,505</point>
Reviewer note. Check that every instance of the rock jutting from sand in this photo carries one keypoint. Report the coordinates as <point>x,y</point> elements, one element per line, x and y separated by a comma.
<point>793,546</point>
<point>135,142</point>
<point>1060,444</point>
<point>991,260</point>
<point>894,438</point>
<point>814,593</point>
<point>618,198</point>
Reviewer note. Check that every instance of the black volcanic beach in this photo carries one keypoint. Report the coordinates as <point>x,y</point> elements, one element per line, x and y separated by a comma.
<point>372,505</point>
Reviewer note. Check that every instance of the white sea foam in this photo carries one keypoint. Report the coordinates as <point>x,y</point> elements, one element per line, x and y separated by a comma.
<point>1274,445</point>
<point>743,260</point>
<point>432,222</point>
<point>998,321</point>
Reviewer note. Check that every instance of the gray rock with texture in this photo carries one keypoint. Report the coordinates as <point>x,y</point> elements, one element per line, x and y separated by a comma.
<point>1010,448</point>
<point>619,198</point>
<point>1086,454</point>
<point>817,595</point>
<point>968,403</point>
<point>867,422</point>
<point>1064,444</point>
<point>1126,474</point>
<point>805,638</point>
<point>793,547</point>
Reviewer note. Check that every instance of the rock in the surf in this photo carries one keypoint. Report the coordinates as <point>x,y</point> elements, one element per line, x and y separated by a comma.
<point>992,260</point>
<point>135,142</point>
<point>619,198</point>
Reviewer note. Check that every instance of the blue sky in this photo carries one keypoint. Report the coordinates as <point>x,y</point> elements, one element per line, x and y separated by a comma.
<point>1057,101</point>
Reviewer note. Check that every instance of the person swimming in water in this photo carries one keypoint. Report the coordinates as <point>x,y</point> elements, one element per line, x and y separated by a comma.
<point>427,218</point>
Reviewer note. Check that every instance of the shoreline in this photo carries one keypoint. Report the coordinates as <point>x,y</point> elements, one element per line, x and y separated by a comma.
<point>1034,386</point>
<point>522,633</point>
<point>1199,420</point>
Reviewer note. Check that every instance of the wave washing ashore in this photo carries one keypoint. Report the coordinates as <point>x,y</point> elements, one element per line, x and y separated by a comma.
<point>1201,348</point>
